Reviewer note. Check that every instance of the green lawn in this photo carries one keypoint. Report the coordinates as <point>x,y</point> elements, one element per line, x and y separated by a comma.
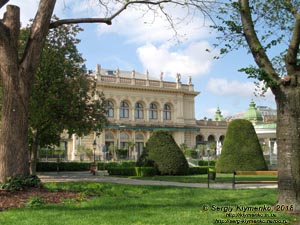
<point>220,178</point>
<point>119,204</point>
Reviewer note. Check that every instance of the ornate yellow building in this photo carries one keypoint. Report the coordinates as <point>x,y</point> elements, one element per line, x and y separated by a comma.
<point>137,105</point>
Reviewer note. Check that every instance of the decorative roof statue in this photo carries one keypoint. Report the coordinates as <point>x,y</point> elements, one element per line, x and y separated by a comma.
<point>190,80</point>
<point>161,76</point>
<point>118,72</point>
<point>178,77</point>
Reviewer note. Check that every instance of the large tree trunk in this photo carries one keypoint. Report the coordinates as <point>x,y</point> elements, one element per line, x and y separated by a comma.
<point>14,156</point>
<point>17,77</point>
<point>14,121</point>
<point>288,139</point>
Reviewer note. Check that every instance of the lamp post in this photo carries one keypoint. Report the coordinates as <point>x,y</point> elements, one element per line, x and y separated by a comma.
<point>94,148</point>
<point>93,165</point>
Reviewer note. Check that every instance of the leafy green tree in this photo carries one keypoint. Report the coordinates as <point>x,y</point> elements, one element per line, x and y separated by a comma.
<point>63,97</point>
<point>162,150</point>
<point>17,73</point>
<point>269,30</point>
<point>241,149</point>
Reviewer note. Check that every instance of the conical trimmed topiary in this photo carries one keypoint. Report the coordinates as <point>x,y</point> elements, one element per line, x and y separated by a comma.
<point>241,149</point>
<point>163,151</point>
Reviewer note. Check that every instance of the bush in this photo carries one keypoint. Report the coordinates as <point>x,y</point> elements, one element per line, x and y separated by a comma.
<point>241,149</point>
<point>124,171</point>
<point>107,165</point>
<point>190,153</point>
<point>164,153</point>
<point>205,163</point>
<point>62,166</point>
<point>144,160</point>
<point>20,182</point>
<point>145,171</point>
<point>122,153</point>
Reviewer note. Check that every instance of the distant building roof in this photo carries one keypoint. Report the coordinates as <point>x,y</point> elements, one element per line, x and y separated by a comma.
<point>253,114</point>
<point>218,116</point>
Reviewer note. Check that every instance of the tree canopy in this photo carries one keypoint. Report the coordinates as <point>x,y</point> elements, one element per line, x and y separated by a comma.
<point>269,30</point>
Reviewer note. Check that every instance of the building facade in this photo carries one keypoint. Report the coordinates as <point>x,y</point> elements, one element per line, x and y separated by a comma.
<point>138,104</point>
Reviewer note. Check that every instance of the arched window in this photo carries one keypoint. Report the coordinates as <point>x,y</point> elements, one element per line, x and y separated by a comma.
<point>139,137</point>
<point>153,111</point>
<point>109,109</point>
<point>124,110</point>
<point>199,139</point>
<point>211,138</point>
<point>124,136</point>
<point>139,111</point>
<point>109,136</point>
<point>124,139</point>
<point>167,112</point>
<point>109,142</point>
<point>139,144</point>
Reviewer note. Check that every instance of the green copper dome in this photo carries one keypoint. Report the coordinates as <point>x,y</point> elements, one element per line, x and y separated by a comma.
<point>218,116</point>
<point>253,114</point>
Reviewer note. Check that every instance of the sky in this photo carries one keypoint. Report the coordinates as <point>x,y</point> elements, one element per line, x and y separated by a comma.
<point>139,40</point>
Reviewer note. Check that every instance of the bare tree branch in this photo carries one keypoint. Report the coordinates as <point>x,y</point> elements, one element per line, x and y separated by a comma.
<point>255,45</point>
<point>37,37</point>
<point>79,20</point>
<point>107,20</point>
<point>291,56</point>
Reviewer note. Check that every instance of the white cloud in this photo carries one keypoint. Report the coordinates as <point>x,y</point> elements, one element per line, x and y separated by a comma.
<point>140,25</point>
<point>191,61</point>
<point>238,89</point>
<point>223,87</point>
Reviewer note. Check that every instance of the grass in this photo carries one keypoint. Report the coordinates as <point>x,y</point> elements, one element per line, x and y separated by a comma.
<point>220,178</point>
<point>140,205</point>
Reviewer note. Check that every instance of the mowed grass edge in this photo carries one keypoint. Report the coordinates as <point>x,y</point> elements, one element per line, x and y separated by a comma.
<point>127,204</point>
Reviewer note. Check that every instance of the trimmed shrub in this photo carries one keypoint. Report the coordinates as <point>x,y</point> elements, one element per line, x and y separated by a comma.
<point>241,149</point>
<point>205,163</point>
<point>163,151</point>
<point>62,166</point>
<point>191,153</point>
<point>106,165</point>
<point>124,171</point>
<point>144,160</point>
<point>145,171</point>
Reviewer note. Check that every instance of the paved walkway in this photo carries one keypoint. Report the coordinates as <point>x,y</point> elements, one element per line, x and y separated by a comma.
<point>87,176</point>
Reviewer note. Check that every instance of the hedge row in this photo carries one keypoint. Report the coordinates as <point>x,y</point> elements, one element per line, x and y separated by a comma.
<point>198,170</point>
<point>205,163</point>
<point>62,166</point>
<point>132,171</point>
<point>80,166</point>
<point>113,168</point>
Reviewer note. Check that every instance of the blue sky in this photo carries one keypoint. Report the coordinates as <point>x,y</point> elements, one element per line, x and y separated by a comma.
<point>143,42</point>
